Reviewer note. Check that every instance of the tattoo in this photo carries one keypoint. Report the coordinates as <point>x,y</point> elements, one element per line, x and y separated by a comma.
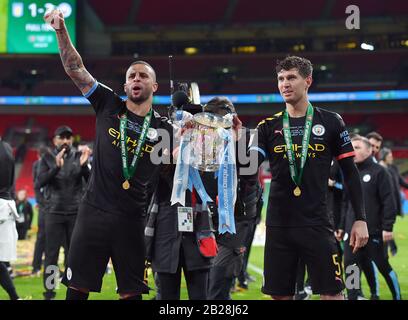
<point>72,62</point>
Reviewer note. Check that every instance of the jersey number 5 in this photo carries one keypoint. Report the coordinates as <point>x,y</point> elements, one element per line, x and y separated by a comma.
<point>337,264</point>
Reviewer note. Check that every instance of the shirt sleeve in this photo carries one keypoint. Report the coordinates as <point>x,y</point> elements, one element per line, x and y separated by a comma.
<point>47,171</point>
<point>258,142</point>
<point>102,98</point>
<point>354,187</point>
<point>342,147</point>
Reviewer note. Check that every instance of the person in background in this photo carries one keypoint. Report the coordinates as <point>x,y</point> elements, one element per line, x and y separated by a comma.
<point>387,160</point>
<point>25,213</point>
<point>39,248</point>
<point>229,260</point>
<point>380,208</point>
<point>8,215</point>
<point>397,181</point>
<point>174,248</point>
<point>62,173</point>
<point>376,141</point>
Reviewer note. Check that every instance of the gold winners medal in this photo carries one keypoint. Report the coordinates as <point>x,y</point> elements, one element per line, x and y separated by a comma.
<point>297,192</point>
<point>126,185</point>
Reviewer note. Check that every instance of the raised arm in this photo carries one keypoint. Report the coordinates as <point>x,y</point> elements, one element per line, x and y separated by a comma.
<point>71,59</point>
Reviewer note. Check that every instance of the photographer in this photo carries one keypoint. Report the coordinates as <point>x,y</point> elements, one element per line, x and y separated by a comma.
<point>231,247</point>
<point>62,172</point>
<point>171,239</point>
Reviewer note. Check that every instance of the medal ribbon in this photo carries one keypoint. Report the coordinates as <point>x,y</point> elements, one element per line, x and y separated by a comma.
<point>296,174</point>
<point>129,171</point>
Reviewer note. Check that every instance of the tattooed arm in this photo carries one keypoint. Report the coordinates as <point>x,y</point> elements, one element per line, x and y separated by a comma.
<point>71,59</point>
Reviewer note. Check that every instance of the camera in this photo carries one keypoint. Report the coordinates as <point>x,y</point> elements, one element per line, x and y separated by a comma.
<point>186,97</point>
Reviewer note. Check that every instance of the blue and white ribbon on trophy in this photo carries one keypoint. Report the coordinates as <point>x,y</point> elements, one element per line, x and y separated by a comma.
<point>186,176</point>
<point>227,185</point>
<point>180,180</point>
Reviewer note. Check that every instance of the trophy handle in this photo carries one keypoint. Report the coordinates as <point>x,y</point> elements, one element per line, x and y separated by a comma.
<point>195,93</point>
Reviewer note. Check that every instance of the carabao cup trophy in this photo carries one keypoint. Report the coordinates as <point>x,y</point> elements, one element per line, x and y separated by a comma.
<point>208,146</point>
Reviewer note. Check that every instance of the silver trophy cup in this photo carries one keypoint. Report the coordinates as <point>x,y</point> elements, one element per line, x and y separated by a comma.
<point>208,140</point>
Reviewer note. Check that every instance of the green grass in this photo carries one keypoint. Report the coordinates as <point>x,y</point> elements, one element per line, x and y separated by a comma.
<point>399,263</point>
<point>31,288</point>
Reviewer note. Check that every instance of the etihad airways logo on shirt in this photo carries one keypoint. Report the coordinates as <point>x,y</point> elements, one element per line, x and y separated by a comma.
<point>313,149</point>
<point>130,143</point>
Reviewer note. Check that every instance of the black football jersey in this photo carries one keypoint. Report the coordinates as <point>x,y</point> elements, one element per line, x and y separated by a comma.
<point>329,139</point>
<point>104,189</point>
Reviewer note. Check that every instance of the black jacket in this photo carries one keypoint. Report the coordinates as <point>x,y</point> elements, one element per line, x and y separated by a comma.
<point>378,199</point>
<point>164,243</point>
<point>397,181</point>
<point>6,171</point>
<point>63,186</point>
<point>248,193</point>
<point>39,192</point>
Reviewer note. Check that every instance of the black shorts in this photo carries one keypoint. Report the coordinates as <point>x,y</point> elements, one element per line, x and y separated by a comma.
<point>316,245</point>
<point>98,236</point>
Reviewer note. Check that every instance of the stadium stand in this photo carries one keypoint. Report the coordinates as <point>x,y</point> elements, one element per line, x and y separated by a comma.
<point>111,17</point>
<point>371,8</point>
<point>220,73</point>
<point>180,12</point>
<point>276,11</point>
<point>80,124</point>
<point>165,13</point>
<point>25,178</point>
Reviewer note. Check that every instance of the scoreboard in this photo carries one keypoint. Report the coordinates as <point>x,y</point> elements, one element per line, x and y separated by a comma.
<point>23,29</point>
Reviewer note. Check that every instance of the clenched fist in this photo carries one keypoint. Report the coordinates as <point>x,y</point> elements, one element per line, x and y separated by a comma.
<point>55,18</point>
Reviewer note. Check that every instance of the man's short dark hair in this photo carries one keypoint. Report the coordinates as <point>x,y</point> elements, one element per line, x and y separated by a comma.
<point>384,152</point>
<point>303,65</point>
<point>375,135</point>
<point>220,105</point>
<point>146,64</point>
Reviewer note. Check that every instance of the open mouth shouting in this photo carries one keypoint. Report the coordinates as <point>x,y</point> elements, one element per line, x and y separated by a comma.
<point>137,89</point>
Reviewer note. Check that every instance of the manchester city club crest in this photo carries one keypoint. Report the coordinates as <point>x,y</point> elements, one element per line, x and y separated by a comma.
<point>152,133</point>
<point>318,130</point>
